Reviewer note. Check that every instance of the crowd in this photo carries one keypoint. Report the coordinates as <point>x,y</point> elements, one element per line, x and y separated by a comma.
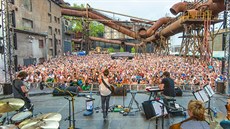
<point>142,69</point>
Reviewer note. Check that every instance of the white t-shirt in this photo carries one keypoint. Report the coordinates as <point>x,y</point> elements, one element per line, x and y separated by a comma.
<point>103,89</point>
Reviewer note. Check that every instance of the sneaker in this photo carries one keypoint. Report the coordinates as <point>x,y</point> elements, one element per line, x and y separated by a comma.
<point>31,107</point>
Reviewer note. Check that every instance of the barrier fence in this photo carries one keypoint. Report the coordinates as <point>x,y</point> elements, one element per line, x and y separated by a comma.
<point>219,88</point>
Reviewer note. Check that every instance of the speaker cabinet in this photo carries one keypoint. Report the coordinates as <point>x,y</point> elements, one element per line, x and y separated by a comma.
<point>148,109</point>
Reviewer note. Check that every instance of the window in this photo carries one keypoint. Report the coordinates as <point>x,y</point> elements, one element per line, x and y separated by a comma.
<point>41,44</point>
<point>27,24</point>
<point>56,30</point>
<point>66,28</point>
<point>59,32</point>
<point>66,22</point>
<point>55,19</point>
<point>58,19</point>
<point>59,42</point>
<point>12,18</point>
<point>49,4</point>
<point>50,43</point>
<point>50,52</point>
<point>50,30</point>
<point>50,17</point>
<point>27,5</point>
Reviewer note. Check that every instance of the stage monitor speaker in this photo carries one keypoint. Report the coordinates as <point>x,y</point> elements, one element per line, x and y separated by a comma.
<point>63,91</point>
<point>7,89</point>
<point>148,109</point>
<point>220,87</point>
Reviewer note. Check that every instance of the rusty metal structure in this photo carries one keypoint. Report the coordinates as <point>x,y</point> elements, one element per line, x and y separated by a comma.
<point>194,20</point>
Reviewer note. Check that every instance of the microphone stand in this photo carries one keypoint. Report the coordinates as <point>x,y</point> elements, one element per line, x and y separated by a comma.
<point>71,102</point>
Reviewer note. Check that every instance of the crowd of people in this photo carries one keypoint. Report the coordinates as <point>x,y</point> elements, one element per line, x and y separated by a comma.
<point>142,69</point>
<point>164,71</point>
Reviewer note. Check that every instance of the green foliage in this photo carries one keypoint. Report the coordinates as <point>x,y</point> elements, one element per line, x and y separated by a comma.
<point>122,49</point>
<point>110,50</point>
<point>78,6</point>
<point>73,46</point>
<point>95,28</point>
<point>133,50</point>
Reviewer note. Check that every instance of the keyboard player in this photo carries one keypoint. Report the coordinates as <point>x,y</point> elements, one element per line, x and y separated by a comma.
<point>167,85</point>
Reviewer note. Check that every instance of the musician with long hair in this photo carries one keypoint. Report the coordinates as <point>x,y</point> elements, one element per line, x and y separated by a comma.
<point>105,92</point>
<point>196,118</point>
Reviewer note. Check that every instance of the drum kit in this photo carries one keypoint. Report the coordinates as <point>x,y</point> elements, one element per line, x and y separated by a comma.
<point>25,119</point>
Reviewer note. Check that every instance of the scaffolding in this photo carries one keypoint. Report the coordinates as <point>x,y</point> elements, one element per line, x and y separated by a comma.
<point>197,35</point>
<point>226,43</point>
<point>7,39</point>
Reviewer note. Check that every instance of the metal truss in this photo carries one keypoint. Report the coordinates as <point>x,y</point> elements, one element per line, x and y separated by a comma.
<point>226,41</point>
<point>7,40</point>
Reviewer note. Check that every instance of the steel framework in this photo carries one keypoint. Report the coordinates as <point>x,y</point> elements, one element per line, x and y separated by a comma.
<point>7,39</point>
<point>226,43</point>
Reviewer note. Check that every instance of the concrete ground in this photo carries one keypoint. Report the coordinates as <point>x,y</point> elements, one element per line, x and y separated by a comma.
<point>44,102</point>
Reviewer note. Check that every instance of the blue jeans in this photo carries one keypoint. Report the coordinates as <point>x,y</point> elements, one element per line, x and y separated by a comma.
<point>105,105</point>
<point>225,124</point>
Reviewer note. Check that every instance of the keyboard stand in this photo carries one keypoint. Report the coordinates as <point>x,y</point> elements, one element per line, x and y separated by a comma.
<point>133,93</point>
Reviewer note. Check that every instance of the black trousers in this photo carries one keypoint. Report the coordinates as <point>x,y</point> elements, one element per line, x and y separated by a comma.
<point>105,104</point>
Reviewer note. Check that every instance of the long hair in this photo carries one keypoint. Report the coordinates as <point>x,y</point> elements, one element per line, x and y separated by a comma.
<point>106,72</point>
<point>197,109</point>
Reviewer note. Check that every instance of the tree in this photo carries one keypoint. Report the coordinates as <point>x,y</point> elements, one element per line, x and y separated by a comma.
<point>95,28</point>
<point>122,49</point>
<point>133,50</point>
<point>110,50</point>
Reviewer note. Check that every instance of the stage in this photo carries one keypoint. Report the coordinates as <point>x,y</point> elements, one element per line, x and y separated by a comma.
<point>46,103</point>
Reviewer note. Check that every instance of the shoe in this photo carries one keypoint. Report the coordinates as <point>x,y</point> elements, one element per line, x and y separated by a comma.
<point>104,115</point>
<point>31,107</point>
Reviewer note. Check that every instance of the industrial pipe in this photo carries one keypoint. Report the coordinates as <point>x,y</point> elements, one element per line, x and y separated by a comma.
<point>92,15</point>
<point>147,33</point>
<point>215,6</point>
<point>111,41</point>
<point>178,7</point>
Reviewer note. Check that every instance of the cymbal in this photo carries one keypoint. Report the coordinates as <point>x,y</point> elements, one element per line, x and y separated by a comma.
<point>10,104</point>
<point>11,126</point>
<point>48,117</point>
<point>41,125</point>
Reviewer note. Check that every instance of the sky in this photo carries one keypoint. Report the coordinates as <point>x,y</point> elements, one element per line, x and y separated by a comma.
<point>147,9</point>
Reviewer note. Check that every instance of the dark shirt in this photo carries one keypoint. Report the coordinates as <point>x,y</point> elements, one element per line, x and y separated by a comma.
<point>168,87</point>
<point>17,83</point>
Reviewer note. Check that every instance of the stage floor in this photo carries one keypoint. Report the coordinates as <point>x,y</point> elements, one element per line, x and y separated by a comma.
<point>46,103</point>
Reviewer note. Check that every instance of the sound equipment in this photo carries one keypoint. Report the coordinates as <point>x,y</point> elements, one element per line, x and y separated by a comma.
<point>7,89</point>
<point>148,109</point>
<point>220,87</point>
<point>63,91</point>
<point>178,91</point>
<point>120,91</point>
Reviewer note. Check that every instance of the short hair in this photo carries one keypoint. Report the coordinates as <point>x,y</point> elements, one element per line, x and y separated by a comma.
<point>167,74</point>
<point>106,72</point>
<point>23,74</point>
<point>197,109</point>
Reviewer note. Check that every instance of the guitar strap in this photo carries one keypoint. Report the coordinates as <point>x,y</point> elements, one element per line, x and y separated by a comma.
<point>107,86</point>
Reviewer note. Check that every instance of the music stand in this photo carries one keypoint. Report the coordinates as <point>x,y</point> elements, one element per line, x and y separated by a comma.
<point>205,96</point>
<point>160,110</point>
